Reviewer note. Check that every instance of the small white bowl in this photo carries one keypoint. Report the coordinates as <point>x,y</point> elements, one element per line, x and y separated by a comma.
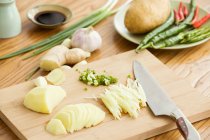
<point>49,7</point>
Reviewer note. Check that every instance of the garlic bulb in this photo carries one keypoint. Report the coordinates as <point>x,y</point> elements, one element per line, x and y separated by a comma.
<point>87,39</point>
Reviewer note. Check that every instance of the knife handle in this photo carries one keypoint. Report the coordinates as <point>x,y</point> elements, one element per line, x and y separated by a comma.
<point>185,127</point>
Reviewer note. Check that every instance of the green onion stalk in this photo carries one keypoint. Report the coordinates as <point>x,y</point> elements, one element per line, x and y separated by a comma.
<point>92,19</point>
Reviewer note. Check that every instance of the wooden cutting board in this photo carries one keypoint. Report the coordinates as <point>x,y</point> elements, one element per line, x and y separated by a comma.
<point>27,124</point>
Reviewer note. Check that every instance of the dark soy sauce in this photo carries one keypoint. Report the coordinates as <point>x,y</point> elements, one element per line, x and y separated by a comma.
<point>50,17</point>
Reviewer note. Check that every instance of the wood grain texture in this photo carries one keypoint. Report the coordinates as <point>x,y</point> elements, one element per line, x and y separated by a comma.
<point>196,108</point>
<point>195,61</point>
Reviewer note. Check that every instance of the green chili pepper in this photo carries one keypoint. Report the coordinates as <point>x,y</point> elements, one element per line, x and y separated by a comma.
<point>159,29</point>
<point>170,41</point>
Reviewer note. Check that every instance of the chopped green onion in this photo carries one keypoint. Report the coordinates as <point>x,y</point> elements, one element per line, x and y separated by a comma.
<point>128,76</point>
<point>85,89</point>
<point>90,77</point>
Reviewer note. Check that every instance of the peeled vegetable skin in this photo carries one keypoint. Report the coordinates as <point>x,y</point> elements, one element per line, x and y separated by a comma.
<point>143,16</point>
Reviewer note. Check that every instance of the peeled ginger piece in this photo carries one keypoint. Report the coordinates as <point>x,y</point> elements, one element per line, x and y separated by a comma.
<point>78,116</point>
<point>61,55</point>
<point>56,77</point>
<point>56,127</point>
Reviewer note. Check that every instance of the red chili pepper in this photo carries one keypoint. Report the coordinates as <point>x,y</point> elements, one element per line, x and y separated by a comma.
<point>202,21</point>
<point>185,11</point>
<point>180,11</point>
<point>177,18</point>
<point>195,18</point>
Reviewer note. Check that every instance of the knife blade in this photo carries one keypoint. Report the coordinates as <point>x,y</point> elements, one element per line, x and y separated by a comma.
<point>161,104</point>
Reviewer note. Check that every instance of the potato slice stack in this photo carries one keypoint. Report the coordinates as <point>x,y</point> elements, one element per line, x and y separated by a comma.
<point>74,118</point>
<point>128,99</point>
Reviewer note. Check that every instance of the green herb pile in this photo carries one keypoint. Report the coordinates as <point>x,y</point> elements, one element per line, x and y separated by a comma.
<point>90,77</point>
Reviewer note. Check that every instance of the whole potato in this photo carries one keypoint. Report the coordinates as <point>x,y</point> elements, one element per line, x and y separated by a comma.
<point>144,15</point>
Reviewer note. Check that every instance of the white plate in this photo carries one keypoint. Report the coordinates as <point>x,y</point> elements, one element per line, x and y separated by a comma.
<point>121,29</point>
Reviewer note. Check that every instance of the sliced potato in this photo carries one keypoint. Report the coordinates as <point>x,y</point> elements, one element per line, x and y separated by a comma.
<point>94,115</point>
<point>91,116</point>
<point>77,114</point>
<point>64,117</point>
<point>56,127</point>
<point>76,117</point>
<point>100,115</point>
<point>73,120</point>
<point>82,115</point>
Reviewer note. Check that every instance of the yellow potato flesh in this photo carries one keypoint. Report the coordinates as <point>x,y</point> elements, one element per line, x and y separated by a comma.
<point>36,100</point>
<point>64,117</point>
<point>76,117</point>
<point>55,95</point>
<point>44,99</point>
<point>56,127</point>
<point>90,117</point>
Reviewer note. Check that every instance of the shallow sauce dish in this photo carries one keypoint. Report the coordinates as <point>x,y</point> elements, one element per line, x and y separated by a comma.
<point>32,14</point>
<point>121,29</point>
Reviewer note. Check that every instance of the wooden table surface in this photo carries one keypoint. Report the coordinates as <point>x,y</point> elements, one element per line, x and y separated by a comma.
<point>193,63</point>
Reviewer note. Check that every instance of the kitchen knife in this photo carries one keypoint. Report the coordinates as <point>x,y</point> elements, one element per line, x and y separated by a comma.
<point>161,104</point>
